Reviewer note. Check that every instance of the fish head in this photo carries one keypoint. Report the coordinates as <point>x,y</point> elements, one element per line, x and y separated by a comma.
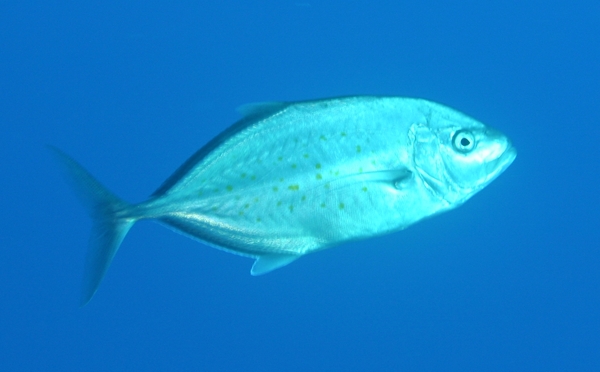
<point>457,156</point>
<point>474,157</point>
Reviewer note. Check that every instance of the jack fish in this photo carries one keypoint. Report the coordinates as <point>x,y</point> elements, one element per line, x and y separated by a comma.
<point>289,179</point>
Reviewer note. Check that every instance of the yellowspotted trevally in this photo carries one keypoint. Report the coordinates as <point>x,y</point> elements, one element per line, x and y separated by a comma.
<point>289,179</point>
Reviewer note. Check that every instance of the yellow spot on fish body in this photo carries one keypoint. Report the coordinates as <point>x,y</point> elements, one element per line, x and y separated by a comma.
<point>303,197</point>
<point>280,158</point>
<point>294,166</point>
<point>279,203</point>
<point>281,180</point>
<point>364,189</point>
<point>246,206</point>
<point>319,177</point>
<point>294,187</point>
<point>327,186</point>
<point>341,205</point>
<point>256,200</point>
<point>291,208</point>
<point>229,188</point>
<point>343,134</point>
<point>358,149</point>
<point>322,205</point>
<point>275,189</point>
<point>241,213</point>
<point>305,156</point>
<point>323,138</point>
<point>318,166</point>
<point>252,177</point>
<point>258,220</point>
<point>243,175</point>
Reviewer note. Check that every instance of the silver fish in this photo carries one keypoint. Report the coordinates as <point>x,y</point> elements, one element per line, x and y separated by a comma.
<point>293,178</point>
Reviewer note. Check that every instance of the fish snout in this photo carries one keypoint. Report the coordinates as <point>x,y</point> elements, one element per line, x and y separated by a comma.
<point>500,152</point>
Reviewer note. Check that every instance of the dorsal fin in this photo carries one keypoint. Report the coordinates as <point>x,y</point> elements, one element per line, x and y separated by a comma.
<point>251,113</point>
<point>261,109</point>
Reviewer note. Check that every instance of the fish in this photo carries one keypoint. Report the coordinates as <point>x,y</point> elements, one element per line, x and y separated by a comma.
<point>293,178</point>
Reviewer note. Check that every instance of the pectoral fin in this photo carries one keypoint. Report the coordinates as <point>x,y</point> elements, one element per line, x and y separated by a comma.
<point>395,177</point>
<point>269,262</point>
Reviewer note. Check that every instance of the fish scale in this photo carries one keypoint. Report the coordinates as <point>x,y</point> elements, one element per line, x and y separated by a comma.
<point>293,178</point>
<point>286,172</point>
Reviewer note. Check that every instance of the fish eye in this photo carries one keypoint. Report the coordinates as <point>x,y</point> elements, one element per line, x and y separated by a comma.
<point>463,141</point>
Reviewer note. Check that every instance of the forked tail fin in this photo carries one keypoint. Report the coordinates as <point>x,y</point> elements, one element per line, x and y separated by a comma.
<point>110,222</point>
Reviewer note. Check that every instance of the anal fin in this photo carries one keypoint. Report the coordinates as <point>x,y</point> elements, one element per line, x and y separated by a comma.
<point>269,262</point>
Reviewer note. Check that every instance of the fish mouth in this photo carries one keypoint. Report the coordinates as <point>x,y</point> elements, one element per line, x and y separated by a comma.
<point>509,156</point>
<point>499,165</point>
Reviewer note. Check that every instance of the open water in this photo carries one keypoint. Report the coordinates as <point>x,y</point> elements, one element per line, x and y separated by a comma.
<point>508,282</point>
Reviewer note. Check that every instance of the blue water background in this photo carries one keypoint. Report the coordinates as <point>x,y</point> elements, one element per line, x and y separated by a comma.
<point>509,281</point>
